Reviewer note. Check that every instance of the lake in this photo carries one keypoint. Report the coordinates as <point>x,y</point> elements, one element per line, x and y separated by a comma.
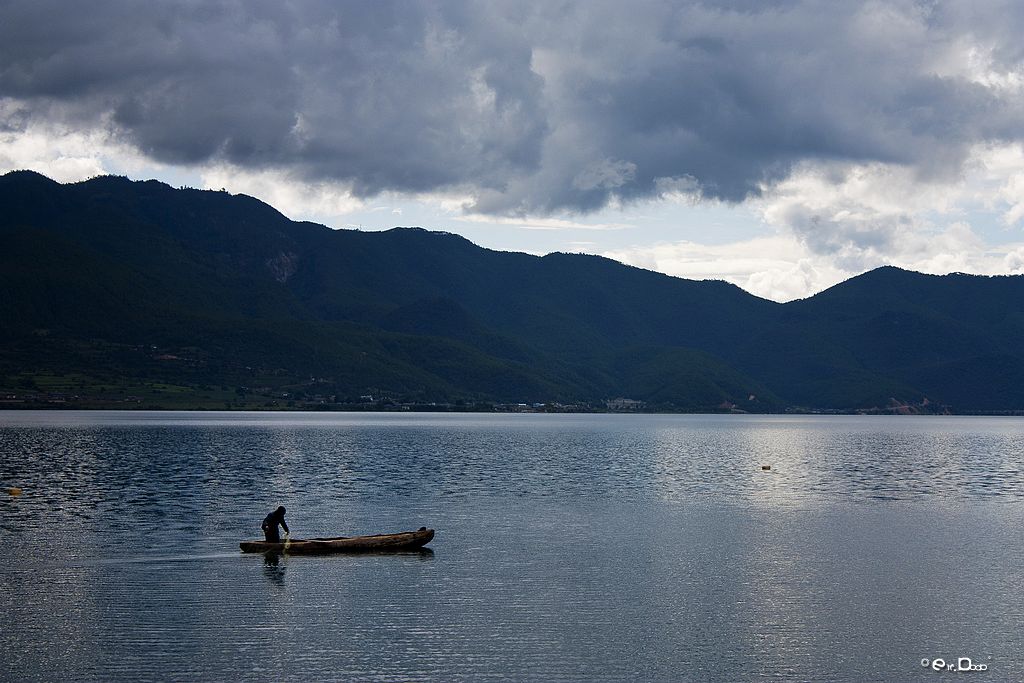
<point>568,547</point>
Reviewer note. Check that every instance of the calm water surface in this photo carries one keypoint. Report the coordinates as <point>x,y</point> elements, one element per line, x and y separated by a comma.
<point>568,547</point>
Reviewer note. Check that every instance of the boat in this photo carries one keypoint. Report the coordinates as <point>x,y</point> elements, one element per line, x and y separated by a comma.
<point>406,540</point>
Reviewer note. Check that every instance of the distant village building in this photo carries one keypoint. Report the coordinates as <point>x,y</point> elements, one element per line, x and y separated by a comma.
<point>624,405</point>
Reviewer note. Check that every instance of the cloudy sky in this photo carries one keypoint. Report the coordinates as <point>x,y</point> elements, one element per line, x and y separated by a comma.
<point>783,146</point>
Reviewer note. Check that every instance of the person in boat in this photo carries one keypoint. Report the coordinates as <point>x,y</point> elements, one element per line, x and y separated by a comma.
<point>270,525</point>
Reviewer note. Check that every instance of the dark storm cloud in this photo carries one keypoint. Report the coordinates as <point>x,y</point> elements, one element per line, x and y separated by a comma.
<point>384,95</point>
<point>533,107</point>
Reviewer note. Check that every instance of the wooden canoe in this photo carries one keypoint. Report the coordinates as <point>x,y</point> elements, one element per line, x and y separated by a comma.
<point>408,540</point>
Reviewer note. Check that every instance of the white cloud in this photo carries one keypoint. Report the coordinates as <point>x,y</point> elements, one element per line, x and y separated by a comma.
<point>538,223</point>
<point>1013,262</point>
<point>783,267</point>
<point>848,218</point>
<point>973,60</point>
<point>294,197</point>
<point>780,268</point>
<point>683,189</point>
<point>1000,183</point>
<point>61,152</point>
<point>64,159</point>
<point>67,155</point>
<point>859,213</point>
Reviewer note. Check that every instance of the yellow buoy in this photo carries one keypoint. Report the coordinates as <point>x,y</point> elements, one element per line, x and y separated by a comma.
<point>14,491</point>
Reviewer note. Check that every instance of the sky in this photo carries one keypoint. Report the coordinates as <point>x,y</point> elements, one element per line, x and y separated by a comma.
<point>781,146</point>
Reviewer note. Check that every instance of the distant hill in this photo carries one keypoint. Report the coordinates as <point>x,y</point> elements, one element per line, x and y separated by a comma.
<point>134,293</point>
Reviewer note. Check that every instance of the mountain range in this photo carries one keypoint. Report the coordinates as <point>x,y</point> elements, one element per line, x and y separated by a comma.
<point>115,291</point>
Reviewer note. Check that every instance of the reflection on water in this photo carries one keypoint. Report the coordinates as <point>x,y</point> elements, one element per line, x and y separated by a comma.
<point>568,547</point>
<point>273,569</point>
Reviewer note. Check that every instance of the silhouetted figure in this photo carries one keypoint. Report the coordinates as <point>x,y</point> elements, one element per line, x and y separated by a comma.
<point>270,525</point>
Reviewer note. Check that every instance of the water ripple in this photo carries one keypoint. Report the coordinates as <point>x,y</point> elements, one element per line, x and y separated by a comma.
<point>568,547</point>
